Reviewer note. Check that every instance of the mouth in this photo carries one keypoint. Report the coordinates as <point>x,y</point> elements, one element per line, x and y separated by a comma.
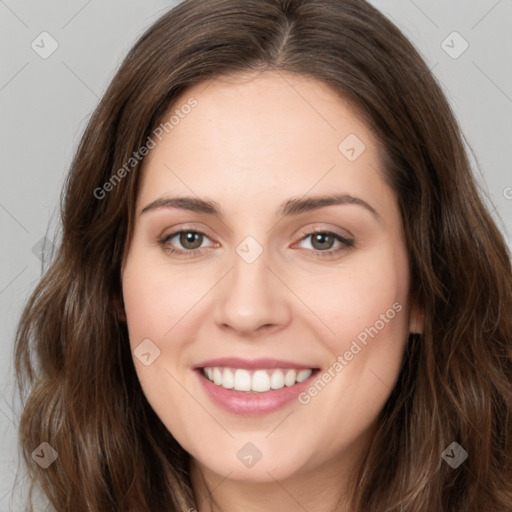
<point>256,381</point>
<point>252,388</point>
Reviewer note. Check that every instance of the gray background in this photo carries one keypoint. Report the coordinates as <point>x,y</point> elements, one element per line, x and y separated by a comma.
<point>45,105</point>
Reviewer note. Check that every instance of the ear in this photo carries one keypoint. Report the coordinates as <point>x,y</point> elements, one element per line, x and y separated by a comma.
<point>416,320</point>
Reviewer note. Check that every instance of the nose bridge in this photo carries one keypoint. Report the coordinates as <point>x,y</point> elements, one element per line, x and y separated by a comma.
<point>251,296</point>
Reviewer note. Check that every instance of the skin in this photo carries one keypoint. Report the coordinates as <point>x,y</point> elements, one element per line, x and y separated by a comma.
<point>252,143</point>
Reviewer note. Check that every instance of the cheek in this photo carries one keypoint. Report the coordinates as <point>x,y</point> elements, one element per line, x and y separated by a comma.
<point>154,298</point>
<point>152,308</point>
<point>356,296</point>
<point>144,306</point>
<point>366,311</point>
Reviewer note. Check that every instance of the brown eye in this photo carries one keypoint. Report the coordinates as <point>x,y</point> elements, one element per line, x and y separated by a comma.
<point>322,241</point>
<point>186,243</point>
<point>190,239</point>
<point>326,243</point>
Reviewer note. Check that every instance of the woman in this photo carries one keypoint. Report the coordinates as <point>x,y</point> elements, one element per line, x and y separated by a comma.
<point>277,287</point>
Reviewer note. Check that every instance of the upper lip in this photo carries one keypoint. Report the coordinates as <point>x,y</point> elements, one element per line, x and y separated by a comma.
<point>250,364</point>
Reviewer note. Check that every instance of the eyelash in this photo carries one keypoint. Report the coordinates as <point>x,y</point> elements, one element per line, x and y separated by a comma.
<point>345,243</point>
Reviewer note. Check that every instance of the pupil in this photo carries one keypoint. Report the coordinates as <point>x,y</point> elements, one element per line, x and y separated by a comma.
<point>324,240</point>
<point>190,237</point>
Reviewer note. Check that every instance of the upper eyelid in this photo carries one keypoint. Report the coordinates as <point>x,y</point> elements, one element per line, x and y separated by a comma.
<point>173,230</point>
<point>342,239</point>
<point>320,229</point>
<point>302,232</point>
<point>186,229</point>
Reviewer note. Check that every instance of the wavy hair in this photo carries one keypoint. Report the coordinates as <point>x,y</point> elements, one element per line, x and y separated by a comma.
<point>74,369</point>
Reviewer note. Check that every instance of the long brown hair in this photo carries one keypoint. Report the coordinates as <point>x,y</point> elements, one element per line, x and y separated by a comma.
<point>72,350</point>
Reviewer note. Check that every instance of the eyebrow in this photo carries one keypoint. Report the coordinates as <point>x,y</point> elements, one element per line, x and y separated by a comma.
<point>291,207</point>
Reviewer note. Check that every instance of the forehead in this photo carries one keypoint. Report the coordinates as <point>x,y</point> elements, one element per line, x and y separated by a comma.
<point>254,133</point>
<point>259,106</point>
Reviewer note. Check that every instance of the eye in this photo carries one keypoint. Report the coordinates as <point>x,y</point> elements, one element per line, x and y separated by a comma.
<point>190,240</point>
<point>323,242</point>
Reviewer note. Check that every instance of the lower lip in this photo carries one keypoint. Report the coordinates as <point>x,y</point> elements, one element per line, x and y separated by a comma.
<point>253,404</point>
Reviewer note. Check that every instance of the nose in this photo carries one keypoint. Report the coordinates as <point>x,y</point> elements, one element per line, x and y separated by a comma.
<point>252,299</point>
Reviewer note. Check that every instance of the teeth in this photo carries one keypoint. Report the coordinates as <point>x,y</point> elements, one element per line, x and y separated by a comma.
<point>277,379</point>
<point>258,381</point>
<point>242,380</point>
<point>217,376</point>
<point>289,378</point>
<point>228,379</point>
<point>303,375</point>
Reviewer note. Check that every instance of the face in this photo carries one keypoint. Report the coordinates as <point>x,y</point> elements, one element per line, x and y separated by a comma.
<point>283,277</point>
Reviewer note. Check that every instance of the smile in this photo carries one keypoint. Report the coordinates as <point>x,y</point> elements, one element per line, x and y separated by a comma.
<point>256,381</point>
